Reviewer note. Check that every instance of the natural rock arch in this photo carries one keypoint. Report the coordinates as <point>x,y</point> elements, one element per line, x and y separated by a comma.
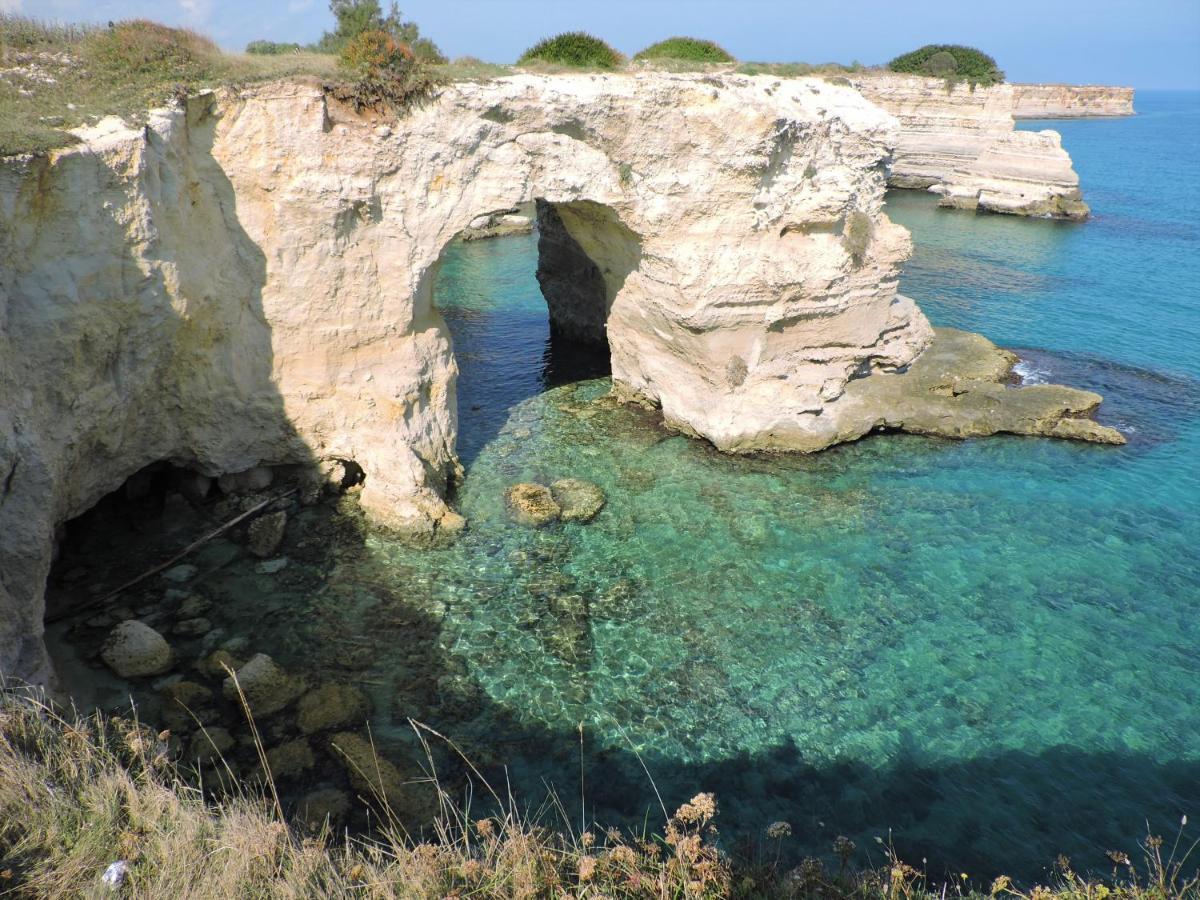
<point>248,279</point>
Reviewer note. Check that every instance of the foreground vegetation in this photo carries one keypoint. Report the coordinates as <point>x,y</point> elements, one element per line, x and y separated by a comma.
<point>88,802</point>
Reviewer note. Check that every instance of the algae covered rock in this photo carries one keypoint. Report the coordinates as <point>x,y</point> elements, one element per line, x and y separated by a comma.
<point>579,500</point>
<point>134,649</point>
<point>531,504</point>
<point>290,760</point>
<point>209,745</point>
<point>318,807</point>
<point>368,771</point>
<point>265,533</point>
<point>268,688</point>
<point>331,706</point>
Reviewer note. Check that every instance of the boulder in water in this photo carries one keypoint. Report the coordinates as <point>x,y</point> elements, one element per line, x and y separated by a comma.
<point>331,706</point>
<point>135,650</point>
<point>579,500</point>
<point>265,533</point>
<point>532,504</point>
<point>268,688</point>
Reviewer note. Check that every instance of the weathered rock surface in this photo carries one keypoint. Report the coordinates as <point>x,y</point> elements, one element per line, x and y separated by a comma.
<point>267,687</point>
<point>1070,101</point>
<point>504,223</point>
<point>246,282</point>
<point>578,500</point>
<point>326,805</point>
<point>134,650</point>
<point>331,706</point>
<point>959,388</point>
<point>962,144</point>
<point>265,533</point>
<point>531,504</point>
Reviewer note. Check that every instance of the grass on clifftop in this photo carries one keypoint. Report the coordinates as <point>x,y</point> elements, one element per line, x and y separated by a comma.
<point>54,77</point>
<point>78,795</point>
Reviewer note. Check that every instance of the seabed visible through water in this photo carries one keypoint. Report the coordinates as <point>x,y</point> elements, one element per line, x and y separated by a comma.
<point>986,650</point>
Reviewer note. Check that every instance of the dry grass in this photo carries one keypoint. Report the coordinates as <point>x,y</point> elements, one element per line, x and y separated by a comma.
<point>78,794</point>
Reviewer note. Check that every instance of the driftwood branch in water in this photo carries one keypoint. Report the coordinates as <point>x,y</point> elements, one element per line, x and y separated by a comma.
<point>194,545</point>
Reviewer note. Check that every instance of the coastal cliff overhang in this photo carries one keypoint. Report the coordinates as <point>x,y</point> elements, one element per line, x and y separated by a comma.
<point>248,280</point>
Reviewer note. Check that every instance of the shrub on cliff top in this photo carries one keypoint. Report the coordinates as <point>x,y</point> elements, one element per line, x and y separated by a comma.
<point>950,61</point>
<point>688,48</point>
<point>573,48</point>
<point>271,48</point>
<point>385,73</point>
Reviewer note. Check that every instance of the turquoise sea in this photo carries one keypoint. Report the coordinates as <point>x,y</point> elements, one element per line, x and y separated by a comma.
<point>989,648</point>
<point>986,652</point>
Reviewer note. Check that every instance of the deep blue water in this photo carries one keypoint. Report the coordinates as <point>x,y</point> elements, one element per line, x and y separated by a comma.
<point>988,651</point>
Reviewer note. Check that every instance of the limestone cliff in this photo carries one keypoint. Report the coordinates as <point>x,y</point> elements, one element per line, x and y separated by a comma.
<point>248,279</point>
<point>960,142</point>
<point>1070,101</point>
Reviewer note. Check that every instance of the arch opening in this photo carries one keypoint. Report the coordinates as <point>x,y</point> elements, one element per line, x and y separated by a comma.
<point>527,309</point>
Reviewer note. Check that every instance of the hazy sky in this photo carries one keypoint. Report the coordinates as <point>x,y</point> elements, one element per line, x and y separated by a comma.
<point>1145,43</point>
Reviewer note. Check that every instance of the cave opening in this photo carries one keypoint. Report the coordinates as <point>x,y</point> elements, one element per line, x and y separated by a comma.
<point>526,307</point>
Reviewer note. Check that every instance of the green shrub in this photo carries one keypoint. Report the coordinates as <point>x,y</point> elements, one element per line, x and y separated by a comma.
<point>271,48</point>
<point>573,48</point>
<point>950,61</point>
<point>385,73</point>
<point>689,48</point>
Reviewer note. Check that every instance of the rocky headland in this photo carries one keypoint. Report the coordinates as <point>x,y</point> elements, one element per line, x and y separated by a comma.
<point>961,142</point>
<point>247,281</point>
<point>1071,101</point>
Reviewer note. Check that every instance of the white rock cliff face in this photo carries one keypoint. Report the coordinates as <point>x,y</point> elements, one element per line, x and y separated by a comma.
<point>961,143</point>
<point>1070,101</point>
<point>249,281</point>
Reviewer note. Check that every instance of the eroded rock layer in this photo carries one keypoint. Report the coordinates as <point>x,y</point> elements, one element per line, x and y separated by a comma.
<point>961,143</point>
<point>248,280</point>
<point>1070,101</point>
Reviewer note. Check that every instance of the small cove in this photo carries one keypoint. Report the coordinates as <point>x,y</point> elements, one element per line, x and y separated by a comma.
<point>988,647</point>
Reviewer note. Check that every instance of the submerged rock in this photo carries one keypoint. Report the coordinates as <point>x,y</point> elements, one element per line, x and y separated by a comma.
<point>367,770</point>
<point>327,805</point>
<point>290,760</point>
<point>192,627</point>
<point>531,504</point>
<point>331,706</point>
<point>209,745</point>
<point>268,688</point>
<point>181,573</point>
<point>265,534</point>
<point>579,500</point>
<point>135,650</point>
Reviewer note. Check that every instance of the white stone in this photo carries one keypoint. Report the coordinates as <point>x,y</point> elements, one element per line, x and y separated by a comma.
<point>134,650</point>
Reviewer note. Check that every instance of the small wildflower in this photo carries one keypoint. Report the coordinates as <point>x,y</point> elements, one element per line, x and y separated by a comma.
<point>623,855</point>
<point>587,868</point>
<point>1000,884</point>
<point>700,808</point>
<point>484,827</point>
<point>779,830</point>
<point>614,835</point>
<point>1154,842</point>
<point>843,847</point>
<point>587,839</point>
<point>1121,859</point>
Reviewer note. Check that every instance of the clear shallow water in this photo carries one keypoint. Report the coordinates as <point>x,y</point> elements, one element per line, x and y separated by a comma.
<point>991,648</point>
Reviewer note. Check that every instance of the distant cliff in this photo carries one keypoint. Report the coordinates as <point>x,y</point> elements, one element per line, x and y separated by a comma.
<point>962,143</point>
<point>1070,101</point>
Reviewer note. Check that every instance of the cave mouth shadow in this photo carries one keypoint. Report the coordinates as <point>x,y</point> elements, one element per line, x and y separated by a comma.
<point>511,344</point>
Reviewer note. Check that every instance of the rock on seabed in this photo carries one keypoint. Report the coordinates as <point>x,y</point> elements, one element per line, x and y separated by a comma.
<point>135,650</point>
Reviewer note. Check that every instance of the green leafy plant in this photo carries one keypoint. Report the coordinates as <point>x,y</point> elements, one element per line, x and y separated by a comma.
<point>142,47</point>
<point>386,74</point>
<point>573,48</point>
<point>686,48</point>
<point>950,61</point>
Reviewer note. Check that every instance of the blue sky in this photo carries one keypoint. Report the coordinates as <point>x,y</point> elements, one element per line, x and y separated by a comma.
<point>1145,43</point>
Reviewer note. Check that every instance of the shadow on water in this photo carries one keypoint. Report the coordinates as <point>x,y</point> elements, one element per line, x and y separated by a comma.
<point>489,297</point>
